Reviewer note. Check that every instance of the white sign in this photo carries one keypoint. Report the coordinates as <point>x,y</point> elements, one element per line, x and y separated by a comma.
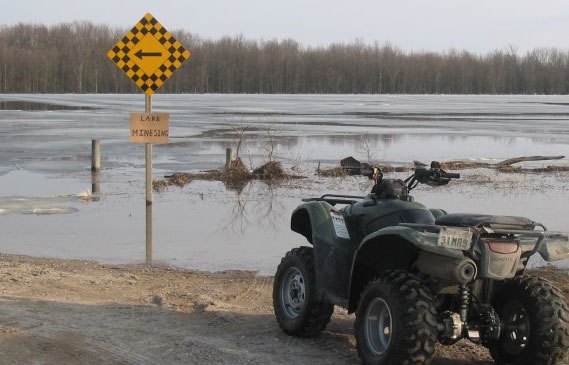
<point>339,225</point>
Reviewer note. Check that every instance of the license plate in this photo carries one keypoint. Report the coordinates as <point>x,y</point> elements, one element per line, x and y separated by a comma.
<point>455,238</point>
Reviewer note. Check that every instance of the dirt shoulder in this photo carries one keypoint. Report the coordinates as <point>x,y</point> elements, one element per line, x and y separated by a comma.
<point>80,312</point>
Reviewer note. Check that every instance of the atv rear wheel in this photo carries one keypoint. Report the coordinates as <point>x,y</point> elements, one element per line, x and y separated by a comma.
<point>396,321</point>
<point>295,300</point>
<point>535,323</point>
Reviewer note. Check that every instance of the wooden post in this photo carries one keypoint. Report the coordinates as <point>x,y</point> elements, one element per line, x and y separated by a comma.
<point>228,155</point>
<point>96,185</point>
<point>149,198</point>
<point>95,155</point>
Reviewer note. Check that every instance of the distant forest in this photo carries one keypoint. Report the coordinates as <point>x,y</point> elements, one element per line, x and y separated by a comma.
<point>71,58</point>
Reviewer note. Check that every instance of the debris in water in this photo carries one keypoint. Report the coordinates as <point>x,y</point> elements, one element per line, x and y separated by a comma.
<point>234,176</point>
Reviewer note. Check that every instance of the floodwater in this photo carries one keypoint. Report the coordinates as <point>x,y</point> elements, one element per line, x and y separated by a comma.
<point>45,177</point>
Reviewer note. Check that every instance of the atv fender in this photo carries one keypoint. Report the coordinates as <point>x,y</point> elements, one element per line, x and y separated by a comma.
<point>391,248</point>
<point>333,255</point>
<point>311,219</point>
<point>555,248</point>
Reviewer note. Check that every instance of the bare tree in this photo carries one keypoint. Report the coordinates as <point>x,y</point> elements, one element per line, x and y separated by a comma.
<point>71,57</point>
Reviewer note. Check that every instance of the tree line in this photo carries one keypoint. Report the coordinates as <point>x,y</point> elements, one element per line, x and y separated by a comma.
<point>71,58</point>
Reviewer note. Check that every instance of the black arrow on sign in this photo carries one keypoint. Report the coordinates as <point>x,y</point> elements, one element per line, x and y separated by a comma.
<point>141,54</point>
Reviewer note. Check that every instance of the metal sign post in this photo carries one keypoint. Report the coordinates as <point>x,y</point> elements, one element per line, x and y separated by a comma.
<point>148,54</point>
<point>148,158</point>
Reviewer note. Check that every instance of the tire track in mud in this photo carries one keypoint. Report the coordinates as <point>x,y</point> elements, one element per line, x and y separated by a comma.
<point>36,319</point>
<point>254,288</point>
<point>337,340</point>
<point>245,317</point>
<point>104,349</point>
<point>235,312</point>
<point>329,345</point>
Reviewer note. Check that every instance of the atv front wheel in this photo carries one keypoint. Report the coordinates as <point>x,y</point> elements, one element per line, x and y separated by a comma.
<point>295,301</point>
<point>396,321</point>
<point>535,323</point>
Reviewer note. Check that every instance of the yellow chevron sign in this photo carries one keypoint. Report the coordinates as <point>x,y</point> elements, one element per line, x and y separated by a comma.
<point>148,54</point>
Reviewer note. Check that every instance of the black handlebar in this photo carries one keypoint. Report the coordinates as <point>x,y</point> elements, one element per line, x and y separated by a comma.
<point>435,176</point>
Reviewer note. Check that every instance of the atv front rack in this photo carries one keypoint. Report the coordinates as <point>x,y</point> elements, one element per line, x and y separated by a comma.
<point>334,199</point>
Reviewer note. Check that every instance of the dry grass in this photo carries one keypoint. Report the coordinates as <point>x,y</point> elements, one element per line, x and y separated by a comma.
<point>333,172</point>
<point>270,171</point>
<point>236,175</point>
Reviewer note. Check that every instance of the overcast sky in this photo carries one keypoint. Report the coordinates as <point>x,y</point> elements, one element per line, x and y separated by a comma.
<point>438,25</point>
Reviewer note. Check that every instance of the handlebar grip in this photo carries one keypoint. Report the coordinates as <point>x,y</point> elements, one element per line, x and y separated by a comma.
<point>452,175</point>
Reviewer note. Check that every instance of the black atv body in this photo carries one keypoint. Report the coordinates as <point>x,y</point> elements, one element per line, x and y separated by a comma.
<point>369,254</point>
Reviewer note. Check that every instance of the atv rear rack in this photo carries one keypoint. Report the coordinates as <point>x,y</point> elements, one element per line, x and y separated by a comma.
<point>485,229</point>
<point>334,199</point>
<point>540,235</point>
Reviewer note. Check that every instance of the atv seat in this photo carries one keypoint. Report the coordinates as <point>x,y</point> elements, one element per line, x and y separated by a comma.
<point>493,221</point>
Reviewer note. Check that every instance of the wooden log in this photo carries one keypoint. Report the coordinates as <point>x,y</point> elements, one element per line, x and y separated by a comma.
<point>457,164</point>
<point>463,164</point>
<point>514,160</point>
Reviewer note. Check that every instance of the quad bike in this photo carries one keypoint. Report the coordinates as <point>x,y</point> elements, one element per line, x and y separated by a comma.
<point>415,276</point>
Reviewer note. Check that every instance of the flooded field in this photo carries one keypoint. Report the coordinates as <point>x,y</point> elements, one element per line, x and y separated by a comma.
<point>45,177</point>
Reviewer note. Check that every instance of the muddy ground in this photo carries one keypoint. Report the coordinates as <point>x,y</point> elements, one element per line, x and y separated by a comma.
<point>81,312</point>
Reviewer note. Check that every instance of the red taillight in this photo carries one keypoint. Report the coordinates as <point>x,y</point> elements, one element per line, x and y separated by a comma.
<point>502,246</point>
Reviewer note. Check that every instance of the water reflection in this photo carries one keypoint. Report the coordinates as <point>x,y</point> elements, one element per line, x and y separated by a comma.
<point>96,185</point>
<point>389,147</point>
<point>255,205</point>
<point>238,221</point>
<point>272,208</point>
